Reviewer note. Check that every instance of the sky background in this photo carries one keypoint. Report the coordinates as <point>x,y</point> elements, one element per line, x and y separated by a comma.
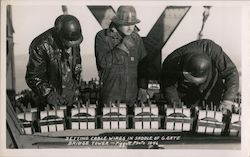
<point>223,26</point>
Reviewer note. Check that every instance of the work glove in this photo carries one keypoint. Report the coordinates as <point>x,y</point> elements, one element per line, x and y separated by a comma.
<point>143,95</point>
<point>75,99</point>
<point>77,71</point>
<point>55,99</point>
<point>226,107</point>
<point>235,108</point>
<point>127,43</point>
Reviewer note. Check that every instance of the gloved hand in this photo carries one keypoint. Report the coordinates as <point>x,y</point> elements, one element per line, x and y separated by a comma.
<point>55,99</point>
<point>78,69</point>
<point>226,107</point>
<point>236,108</point>
<point>73,98</point>
<point>127,43</point>
<point>143,95</point>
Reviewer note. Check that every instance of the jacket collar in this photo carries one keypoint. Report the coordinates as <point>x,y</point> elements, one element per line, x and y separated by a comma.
<point>113,32</point>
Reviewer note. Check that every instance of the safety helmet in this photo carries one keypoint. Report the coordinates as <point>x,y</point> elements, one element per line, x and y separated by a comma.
<point>126,15</point>
<point>196,67</point>
<point>69,30</point>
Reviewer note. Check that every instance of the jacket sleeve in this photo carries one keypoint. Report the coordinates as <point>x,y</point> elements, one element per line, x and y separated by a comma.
<point>36,73</point>
<point>106,57</point>
<point>78,64</point>
<point>142,66</point>
<point>226,68</point>
<point>169,77</point>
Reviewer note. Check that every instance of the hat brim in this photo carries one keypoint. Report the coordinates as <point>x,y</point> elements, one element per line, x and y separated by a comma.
<point>196,80</point>
<point>72,43</point>
<point>125,23</point>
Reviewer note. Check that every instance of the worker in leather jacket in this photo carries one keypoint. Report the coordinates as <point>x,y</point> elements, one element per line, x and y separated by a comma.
<point>200,72</point>
<point>54,66</point>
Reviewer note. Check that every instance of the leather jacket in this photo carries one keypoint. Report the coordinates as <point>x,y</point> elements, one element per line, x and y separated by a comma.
<point>44,70</point>
<point>222,82</point>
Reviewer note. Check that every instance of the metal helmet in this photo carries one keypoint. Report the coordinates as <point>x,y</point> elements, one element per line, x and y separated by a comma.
<point>69,30</point>
<point>196,68</point>
<point>126,15</point>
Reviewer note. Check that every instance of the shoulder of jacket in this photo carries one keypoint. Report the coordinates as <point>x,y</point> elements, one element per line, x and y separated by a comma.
<point>209,46</point>
<point>136,35</point>
<point>205,42</point>
<point>101,32</point>
<point>43,41</point>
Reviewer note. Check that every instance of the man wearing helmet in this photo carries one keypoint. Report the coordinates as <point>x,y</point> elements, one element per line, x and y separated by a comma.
<point>54,66</point>
<point>200,71</point>
<point>118,51</point>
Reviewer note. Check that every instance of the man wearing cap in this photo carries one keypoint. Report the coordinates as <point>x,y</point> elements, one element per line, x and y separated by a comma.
<point>54,66</point>
<point>118,51</point>
<point>200,71</point>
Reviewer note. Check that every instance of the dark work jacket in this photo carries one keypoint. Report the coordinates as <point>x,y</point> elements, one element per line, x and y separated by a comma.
<point>44,69</point>
<point>118,71</point>
<point>222,82</point>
